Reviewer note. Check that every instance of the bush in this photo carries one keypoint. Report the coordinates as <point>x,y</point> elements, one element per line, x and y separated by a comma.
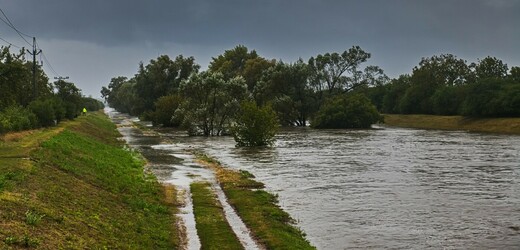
<point>44,111</point>
<point>255,126</point>
<point>15,118</point>
<point>346,111</point>
<point>165,108</point>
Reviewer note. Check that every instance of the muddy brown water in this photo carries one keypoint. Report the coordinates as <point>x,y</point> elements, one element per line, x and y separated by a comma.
<point>386,188</point>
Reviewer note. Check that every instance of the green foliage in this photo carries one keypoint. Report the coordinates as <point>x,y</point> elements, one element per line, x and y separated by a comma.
<point>492,97</point>
<point>15,118</point>
<point>286,87</point>
<point>447,100</point>
<point>255,126</point>
<point>233,62</point>
<point>346,111</point>
<point>44,110</point>
<point>165,108</point>
<point>490,67</point>
<point>210,103</point>
<point>328,70</point>
<point>160,77</point>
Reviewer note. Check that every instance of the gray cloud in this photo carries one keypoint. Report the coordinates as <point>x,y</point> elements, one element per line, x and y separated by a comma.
<point>118,34</point>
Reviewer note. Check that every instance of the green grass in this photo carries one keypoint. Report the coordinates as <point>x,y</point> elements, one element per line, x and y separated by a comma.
<point>75,186</point>
<point>271,226</point>
<point>213,229</point>
<point>489,125</point>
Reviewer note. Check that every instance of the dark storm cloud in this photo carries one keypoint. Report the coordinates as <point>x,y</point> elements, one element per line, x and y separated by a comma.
<point>397,32</point>
<point>116,23</point>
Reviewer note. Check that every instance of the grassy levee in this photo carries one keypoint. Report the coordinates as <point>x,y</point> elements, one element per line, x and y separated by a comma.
<point>77,187</point>
<point>270,225</point>
<point>488,125</point>
<point>212,227</point>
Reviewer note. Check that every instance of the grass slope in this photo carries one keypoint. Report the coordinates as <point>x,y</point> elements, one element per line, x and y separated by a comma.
<point>76,187</point>
<point>213,229</point>
<point>271,226</point>
<point>490,125</point>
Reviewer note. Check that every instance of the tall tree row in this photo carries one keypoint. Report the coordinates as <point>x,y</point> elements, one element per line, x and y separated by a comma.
<point>174,92</point>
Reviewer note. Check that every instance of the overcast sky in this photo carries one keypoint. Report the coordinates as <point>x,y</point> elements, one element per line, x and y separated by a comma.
<point>92,41</point>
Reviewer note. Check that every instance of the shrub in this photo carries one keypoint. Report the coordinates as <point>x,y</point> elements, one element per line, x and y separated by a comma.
<point>15,118</point>
<point>44,111</point>
<point>165,108</point>
<point>346,111</point>
<point>255,126</point>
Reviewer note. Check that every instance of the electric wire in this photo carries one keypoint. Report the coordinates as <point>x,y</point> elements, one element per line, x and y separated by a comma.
<point>21,34</point>
<point>11,44</point>
<point>10,24</point>
<point>47,62</point>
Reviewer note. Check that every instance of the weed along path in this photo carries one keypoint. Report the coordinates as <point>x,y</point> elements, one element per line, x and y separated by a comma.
<point>206,217</point>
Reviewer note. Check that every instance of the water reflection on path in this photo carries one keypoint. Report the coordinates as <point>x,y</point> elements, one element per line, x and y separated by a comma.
<point>389,188</point>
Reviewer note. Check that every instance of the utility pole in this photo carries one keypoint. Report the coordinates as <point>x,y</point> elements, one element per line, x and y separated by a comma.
<point>34,53</point>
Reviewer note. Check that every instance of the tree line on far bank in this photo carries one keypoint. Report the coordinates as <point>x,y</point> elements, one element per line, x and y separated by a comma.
<point>447,85</point>
<point>331,90</point>
<point>24,107</point>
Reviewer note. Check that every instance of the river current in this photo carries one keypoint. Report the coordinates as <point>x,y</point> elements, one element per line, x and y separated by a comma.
<point>385,188</point>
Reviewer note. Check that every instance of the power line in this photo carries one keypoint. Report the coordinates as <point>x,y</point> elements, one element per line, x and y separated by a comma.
<point>49,64</point>
<point>9,43</point>
<point>10,24</point>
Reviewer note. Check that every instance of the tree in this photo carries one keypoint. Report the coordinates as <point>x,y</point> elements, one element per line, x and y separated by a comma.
<point>490,67</point>
<point>71,97</point>
<point>328,70</point>
<point>346,111</point>
<point>233,62</point>
<point>210,102</point>
<point>445,69</point>
<point>255,126</point>
<point>515,74</point>
<point>165,108</point>
<point>394,92</point>
<point>286,87</point>
<point>161,77</point>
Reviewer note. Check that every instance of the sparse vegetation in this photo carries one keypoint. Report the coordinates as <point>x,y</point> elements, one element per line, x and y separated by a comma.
<point>213,229</point>
<point>259,210</point>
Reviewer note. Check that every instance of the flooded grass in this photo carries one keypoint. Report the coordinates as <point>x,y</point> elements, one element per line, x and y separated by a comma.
<point>271,226</point>
<point>75,186</point>
<point>489,125</point>
<point>213,229</point>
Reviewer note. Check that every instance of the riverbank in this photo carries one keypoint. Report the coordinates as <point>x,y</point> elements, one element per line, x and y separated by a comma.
<point>76,186</point>
<point>488,125</point>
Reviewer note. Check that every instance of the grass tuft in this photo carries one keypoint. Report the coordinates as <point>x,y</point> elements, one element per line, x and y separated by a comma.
<point>213,229</point>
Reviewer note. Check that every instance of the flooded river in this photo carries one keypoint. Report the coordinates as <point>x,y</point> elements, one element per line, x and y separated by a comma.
<point>383,188</point>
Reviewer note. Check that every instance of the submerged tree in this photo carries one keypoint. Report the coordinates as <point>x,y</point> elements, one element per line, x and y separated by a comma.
<point>254,126</point>
<point>210,103</point>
